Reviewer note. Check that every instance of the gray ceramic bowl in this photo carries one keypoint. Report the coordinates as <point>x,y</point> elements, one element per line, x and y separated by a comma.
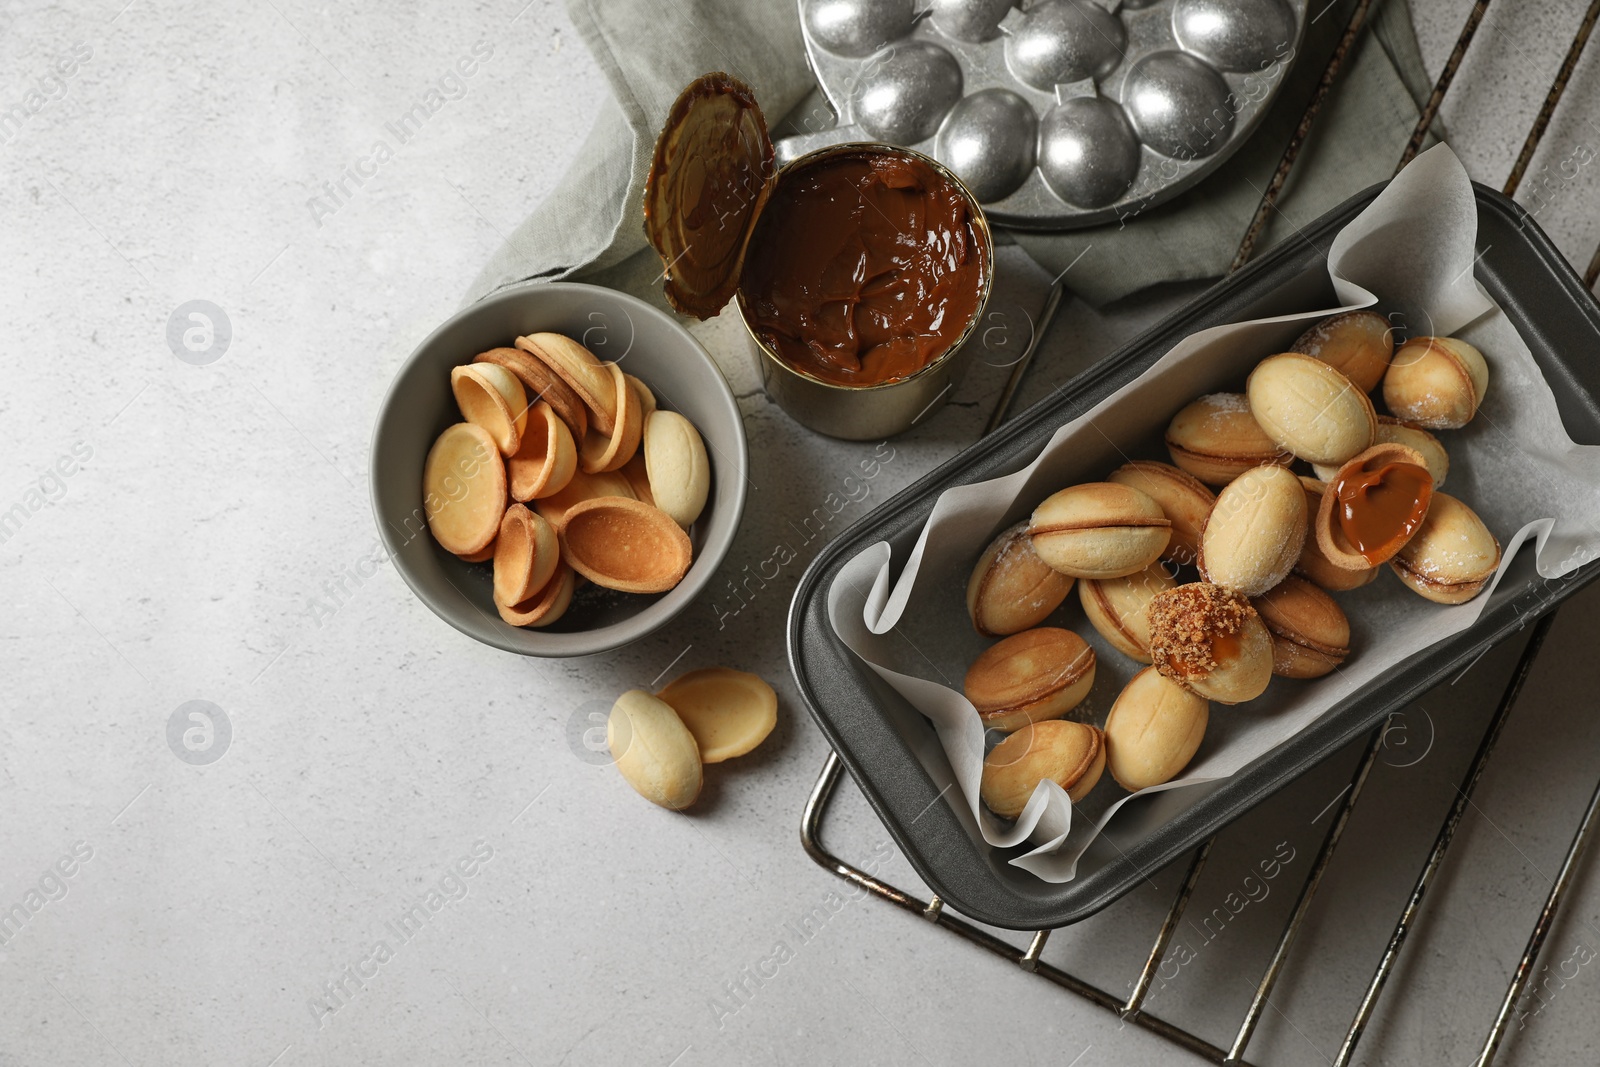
<point>650,345</point>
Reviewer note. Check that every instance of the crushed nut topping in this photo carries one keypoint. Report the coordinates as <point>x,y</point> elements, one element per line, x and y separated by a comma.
<point>1185,623</point>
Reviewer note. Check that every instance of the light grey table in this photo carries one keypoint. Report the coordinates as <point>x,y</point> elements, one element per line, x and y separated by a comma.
<point>201,532</point>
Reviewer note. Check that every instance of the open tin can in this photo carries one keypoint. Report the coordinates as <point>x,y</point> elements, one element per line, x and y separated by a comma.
<point>860,270</point>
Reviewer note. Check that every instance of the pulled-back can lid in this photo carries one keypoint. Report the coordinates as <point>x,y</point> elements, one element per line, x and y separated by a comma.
<point>713,171</point>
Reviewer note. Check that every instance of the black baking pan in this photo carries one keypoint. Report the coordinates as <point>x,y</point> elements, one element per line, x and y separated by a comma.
<point>875,732</point>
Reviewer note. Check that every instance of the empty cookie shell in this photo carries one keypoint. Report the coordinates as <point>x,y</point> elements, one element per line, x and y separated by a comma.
<point>525,556</point>
<point>608,453</point>
<point>580,488</point>
<point>1035,675</point>
<point>1388,491</point>
<point>579,368</point>
<point>647,399</point>
<point>729,712</point>
<point>625,545</point>
<point>679,472</point>
<point>1011,588</point>
<point>638,477</point>
<point>546,459</point>
<point>539,382</point>
<point>654,750</point>
<point>545,606</point>
<point>492,397</point>
<point>1314,565</point>
<point>464,489</point>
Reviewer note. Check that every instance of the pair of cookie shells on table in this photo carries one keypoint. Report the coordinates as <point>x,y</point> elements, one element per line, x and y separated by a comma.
<point>1268,546</point>
<point>615,482</point>
<point>661,742</point>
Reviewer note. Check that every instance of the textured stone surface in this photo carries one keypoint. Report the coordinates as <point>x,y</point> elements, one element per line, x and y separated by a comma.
<point>217,544</point>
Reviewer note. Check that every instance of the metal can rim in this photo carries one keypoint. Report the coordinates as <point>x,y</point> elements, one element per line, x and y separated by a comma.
<point>980,226</point>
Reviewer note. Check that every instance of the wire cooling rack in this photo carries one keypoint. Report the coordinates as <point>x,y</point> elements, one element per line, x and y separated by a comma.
<point>1130,1008</point>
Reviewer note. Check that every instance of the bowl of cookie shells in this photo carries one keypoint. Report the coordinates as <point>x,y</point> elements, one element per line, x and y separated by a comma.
<point>558,469</point>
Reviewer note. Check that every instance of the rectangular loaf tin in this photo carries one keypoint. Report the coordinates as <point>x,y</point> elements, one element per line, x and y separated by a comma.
<point>1557,317</point>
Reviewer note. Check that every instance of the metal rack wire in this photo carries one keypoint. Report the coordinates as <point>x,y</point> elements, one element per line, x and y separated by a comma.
<point>1131,1007</point>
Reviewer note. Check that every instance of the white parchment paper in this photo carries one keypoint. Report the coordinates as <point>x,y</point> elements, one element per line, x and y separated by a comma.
<point>1411,254</point>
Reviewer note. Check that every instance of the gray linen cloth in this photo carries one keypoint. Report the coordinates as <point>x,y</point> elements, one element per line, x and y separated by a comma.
<point>591,227</point>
